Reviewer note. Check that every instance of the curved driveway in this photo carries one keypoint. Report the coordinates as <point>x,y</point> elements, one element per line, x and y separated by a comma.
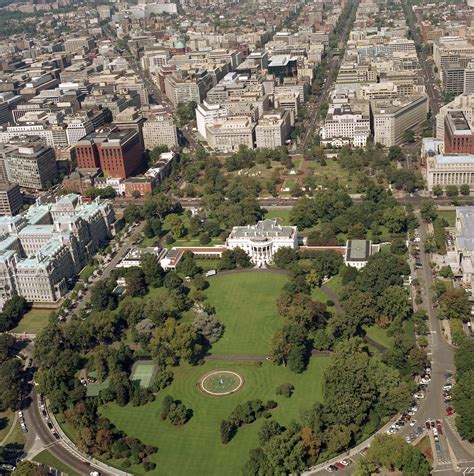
<point>38,429</point>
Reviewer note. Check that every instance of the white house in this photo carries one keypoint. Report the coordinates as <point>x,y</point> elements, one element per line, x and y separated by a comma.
<point>261,241</point>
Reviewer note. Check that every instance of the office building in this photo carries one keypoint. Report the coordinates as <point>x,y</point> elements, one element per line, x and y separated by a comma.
<point>32,165</point>
<point>453,78</point>
<point>392,118</point>
<point>458,134</point>
<point>11,199</point>
<point>117,153</point>
<point>41,250</point>
<point>273,129</point>
<point>160,129</point>
<point>230,133</point>
<point>443,170</point>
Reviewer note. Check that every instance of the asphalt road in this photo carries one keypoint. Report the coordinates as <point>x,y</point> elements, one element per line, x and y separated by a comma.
<point>442,358</point>
<point>334,65</point>
<point>37,429</point>
<point>428,74</point>
<point>122,251</point>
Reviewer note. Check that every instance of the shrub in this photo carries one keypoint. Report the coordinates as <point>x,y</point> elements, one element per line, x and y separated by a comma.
<point>126,463</point>
<point>285,389</point>
<point>149,466</point>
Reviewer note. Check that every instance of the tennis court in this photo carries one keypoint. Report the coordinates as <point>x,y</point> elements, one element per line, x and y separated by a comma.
<point>143,373</point>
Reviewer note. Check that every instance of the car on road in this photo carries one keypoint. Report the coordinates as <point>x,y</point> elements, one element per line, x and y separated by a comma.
<point>56,435</point>
<point>439,427</point>
<point>413,423</point>
<point>419,395</point>
<point>447,387</point>
<point>50,424</point>
<point>435,432</point>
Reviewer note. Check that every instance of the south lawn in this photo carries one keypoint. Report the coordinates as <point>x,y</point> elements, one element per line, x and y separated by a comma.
<point>196,448</point>
<point>246,304</point>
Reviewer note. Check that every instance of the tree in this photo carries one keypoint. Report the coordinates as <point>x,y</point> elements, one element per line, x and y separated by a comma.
<point>172,281</point>
<point>157,151</point>
<point>284,257</point>
<point>173,342</point>
<point>428,211</point>
<point>303,213</point>
<point>393,453</point>
<point>409,136</point>
<point>285,453</point>
<point>242,259</point>
<point>27,468</point>
<point>465,189</point>
<point>227,260</point>
<point>382,270</point>
<point>284,340</point>
<point>395,153</point>
<point>395,219</point>
<point>133,214</point>
<point>13,311</point>
<point>463,398</point>
<point>301,310</point>
<point>285,389</point>
<point>152,270</point>
<point>297,358</point>
<point>135,281</point>
<point>152,228</point>
<point>454,304</point>
<point>338,438</point>
<point>393,304</point>
<point>101,295</point>
<point>7,345</point>
<point>268,430</point>
<point>209,327</point>
<point>175,225</point>
<point>11,384</point>
<point>187,265</point>
<point>437,190</point>
<point>452,191</point>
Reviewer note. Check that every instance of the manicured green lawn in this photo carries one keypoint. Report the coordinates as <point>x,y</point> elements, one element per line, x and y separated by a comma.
<point>379,335</point>
<point>34,321</point>
<point>282,216</point>
<point>16,436</point>
<point>335,283</point>
<point>246,304</point>
<point>449,215</point>
<point>6,420</point>
<point>318,295</point>
<point>86,273</point>
<point>45,457</point>
<point>196,448</point>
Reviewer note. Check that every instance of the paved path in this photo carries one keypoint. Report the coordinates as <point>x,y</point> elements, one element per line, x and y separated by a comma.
<point>257,358</point>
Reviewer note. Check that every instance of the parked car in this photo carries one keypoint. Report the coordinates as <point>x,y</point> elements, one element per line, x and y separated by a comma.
<point>413,423</point>
<point>428,424</point>
<point>346,462</point>
<point>332,468</point>
<point>339,465</point>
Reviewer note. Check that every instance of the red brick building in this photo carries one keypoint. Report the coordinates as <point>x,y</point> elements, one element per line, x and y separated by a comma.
<point>458,135</point>
<point>118,153</point>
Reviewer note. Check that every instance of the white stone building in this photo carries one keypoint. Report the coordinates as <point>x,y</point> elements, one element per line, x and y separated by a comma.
<point>51,243</point>
<point>263,240</point>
